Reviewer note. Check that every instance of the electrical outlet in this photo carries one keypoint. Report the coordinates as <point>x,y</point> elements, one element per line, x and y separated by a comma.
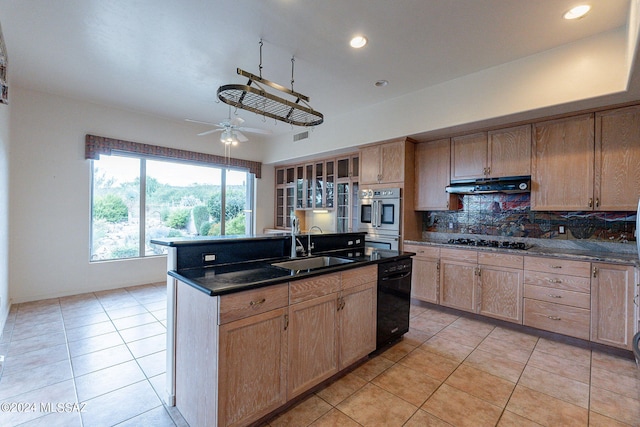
<point>561,229</point>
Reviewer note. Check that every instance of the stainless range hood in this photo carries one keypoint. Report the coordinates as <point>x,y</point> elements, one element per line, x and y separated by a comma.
<point>514,184</point>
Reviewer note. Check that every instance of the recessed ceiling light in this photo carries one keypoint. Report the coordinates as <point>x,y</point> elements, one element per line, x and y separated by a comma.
<point>577,12</point>
<point>358,42</point>
<point>381,83</point>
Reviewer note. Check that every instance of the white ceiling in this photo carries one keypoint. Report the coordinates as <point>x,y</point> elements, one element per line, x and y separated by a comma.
<point>168,57</point>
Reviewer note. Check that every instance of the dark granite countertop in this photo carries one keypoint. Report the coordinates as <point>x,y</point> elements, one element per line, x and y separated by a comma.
<point>236,277</point>
<point>575,254</point>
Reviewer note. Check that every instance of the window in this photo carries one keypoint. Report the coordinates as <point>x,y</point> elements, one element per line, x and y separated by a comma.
<point>136,199</point>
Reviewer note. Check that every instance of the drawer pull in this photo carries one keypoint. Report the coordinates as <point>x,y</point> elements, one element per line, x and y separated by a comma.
<point>556,266</point>
<point>554,318</point>
<point>255,303</point>
<point>554,280</point>
<point>554,296</point>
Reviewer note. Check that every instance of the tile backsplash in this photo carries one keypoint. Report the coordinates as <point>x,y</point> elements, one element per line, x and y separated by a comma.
<point>510,215</point>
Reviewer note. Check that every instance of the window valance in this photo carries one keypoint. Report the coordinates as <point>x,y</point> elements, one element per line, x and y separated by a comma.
<point>96,145</point>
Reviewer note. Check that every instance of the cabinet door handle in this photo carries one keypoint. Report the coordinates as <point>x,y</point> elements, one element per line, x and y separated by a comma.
<point>256,303</point>
<point>554,296</point>
<point>556,266</point>
<point>590,202</point>
<point>597,203</point>
<point>554,280</point>
<point>286,321</point>
<point>595,271</point>
<point>554,317</point>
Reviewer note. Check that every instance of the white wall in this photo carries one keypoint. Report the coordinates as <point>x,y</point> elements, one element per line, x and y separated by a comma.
<point>4,211</point>
<point>568,76</point>
<point>50,193</point>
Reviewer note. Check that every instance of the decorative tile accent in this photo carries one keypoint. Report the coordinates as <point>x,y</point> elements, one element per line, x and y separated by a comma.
<point>510,215</point>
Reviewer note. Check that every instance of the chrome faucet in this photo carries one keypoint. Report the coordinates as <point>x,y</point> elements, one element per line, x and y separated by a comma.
<point>294,228</point>
<point>309,238</point>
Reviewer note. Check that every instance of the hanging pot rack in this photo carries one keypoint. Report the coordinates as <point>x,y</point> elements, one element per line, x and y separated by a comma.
<point>256,99</point>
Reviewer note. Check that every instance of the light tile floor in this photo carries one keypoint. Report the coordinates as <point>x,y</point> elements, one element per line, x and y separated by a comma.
<point>104,353</point>
<point>96,359</point>
<point>453,370</point>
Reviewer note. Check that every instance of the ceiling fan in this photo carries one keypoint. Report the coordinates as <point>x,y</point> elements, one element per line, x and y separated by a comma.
<point>231,130</point>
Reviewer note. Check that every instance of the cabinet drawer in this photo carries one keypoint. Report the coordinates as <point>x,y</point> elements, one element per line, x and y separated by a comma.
<point>558,281</point>
<point>255,301</point>
<point>423,251</point>
<point>558,296</point>
<point>359,276</point>
<point>459,255</point>
<point>558,266</point>
<point>559,318</point>
<point>306,289</point>
<point>500,260</point>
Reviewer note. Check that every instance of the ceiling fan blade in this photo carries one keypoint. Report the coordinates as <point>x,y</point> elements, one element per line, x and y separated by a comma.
<point>209,132</point>
<point>254,130</point>
<point>241,137</point>
<point>199,122</point>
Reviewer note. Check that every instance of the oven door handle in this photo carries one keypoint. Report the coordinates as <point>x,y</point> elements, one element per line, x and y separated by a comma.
<point>397,276</point>
<point>374,214</point>
<point>379,214</point>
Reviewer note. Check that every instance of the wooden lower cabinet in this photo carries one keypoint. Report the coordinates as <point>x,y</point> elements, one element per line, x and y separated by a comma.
<point>612,295</point>
<point>500,294</point>
<point>313,352</point>
<point>241,356</point>
<point>500,286</point>
<point>563,319</point>
<point>330,332</point>
<point>458,282</point>
<point>425,275</point>
<point>357,331</point>
<point>557,295</point>
<point>253,381</point>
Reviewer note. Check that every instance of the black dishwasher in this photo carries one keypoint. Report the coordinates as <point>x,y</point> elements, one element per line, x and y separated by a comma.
<point>394,300</point>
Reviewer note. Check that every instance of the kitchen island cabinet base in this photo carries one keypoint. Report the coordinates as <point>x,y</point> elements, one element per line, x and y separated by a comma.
<point>242,356</point>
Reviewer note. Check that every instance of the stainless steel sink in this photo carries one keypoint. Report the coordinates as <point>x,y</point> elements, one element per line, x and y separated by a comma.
<point>312,263</point>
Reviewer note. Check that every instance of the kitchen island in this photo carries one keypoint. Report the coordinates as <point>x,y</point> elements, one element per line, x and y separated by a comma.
<point>245,336</point>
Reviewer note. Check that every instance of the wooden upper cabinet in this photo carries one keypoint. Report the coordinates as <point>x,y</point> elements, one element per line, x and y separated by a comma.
<point>563,164</point>
<point>383,163</point>
<point>433,167</point>
<point>617,159</point>
<point>469,156</point>
<point>496,154</point>
<point>509,152</point>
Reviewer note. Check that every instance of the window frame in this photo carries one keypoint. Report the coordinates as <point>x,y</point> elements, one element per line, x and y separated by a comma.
<point>96,146</point>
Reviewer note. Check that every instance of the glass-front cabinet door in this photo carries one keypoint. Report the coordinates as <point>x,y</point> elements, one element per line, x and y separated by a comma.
<point>342,207</point>
<point>300,188</point>
<point>309,179</point>
<point>280,207</point>
<point>319,185</point>
<point>329,184</point>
